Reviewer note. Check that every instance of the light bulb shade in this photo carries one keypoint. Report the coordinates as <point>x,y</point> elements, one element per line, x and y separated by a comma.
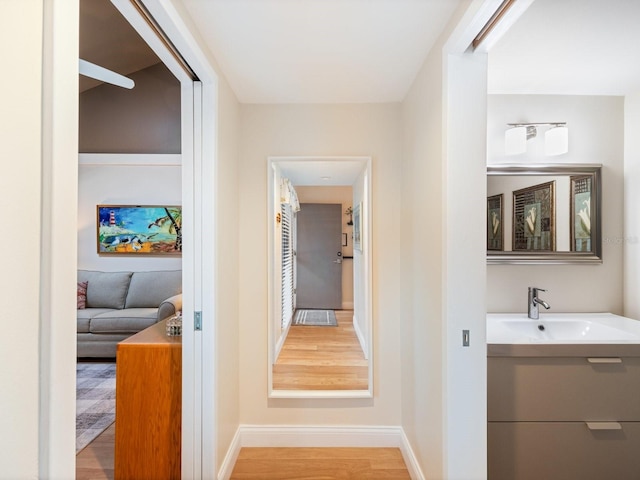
<point>556,140</point>
<point>515,140</point>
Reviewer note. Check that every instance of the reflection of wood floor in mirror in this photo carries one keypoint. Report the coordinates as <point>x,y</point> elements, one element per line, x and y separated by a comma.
<point>322,358</point>
<point>317,463</point>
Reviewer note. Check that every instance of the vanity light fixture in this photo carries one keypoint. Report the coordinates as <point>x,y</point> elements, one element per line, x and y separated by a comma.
<point>556,138</point>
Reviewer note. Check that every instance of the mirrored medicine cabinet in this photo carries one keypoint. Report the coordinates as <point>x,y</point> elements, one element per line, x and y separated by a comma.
<point>544,214</point>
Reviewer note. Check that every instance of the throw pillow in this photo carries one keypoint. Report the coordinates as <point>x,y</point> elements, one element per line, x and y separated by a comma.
<point>82,295</point>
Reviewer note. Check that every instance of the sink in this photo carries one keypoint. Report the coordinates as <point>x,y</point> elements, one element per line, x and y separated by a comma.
<point>561,328</point>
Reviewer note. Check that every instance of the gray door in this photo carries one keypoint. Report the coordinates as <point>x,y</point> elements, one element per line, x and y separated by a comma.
<point>318,260</point>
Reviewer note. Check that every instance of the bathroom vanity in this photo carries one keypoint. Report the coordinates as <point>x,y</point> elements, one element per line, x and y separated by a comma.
<point>563,397</point>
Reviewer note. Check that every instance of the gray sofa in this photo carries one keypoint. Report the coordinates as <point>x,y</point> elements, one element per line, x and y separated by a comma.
<point>119,304</point>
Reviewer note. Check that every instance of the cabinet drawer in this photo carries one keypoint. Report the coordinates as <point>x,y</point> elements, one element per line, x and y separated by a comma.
<point>562,451</point>
<point>563,389</point>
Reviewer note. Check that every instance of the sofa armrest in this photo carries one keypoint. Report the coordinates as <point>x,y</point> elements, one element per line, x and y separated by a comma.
<point>169,307</point>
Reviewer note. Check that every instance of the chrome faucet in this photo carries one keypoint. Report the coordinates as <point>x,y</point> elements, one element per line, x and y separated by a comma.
<point>534,301</point>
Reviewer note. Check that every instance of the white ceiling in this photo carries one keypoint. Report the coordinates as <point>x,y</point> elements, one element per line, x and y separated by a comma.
<point>320,51</point>
<point>570,47</point>
<point>335,51</point>
<point>326,172</point>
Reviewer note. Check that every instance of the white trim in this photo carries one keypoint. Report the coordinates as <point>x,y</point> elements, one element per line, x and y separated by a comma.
<point>410,458</point>
<point>271,436</point>
<point>226,468</point>
<point>58,239</point>
<point>360,336</point>
<point>333,394</point>
<point>199,114</point>
<point>280,342</point>
<point>127,159</point>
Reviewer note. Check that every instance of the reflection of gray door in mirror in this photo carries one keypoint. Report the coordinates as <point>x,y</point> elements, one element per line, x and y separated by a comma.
<point>319,269</point>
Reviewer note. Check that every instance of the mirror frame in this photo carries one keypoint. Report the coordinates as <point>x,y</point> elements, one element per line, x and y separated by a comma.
<point>367,263</point>
<point>533,258</point>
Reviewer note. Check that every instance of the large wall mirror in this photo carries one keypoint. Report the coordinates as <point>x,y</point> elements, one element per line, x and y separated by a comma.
<point>544,214</point>
<point>319,277</point>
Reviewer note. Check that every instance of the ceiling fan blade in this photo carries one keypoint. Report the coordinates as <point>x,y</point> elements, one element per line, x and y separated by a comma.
<point>92,70</point>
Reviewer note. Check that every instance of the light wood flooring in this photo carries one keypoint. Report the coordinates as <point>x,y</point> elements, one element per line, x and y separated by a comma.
<point>322,358</point>
<point>319,464</point>
<point>95,461</point>
<point>312,358</point>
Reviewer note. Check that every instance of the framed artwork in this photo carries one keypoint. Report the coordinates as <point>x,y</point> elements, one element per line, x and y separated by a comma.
<point>534,218</point>
<point>139,229</point>
<point>344,239</point>
<point>580,213</point>
<point>495,234</point>
<point>357,227</point>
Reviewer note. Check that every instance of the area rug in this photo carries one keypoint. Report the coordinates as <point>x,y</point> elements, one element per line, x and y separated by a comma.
<point>316,318</point>
<point>95,400</point>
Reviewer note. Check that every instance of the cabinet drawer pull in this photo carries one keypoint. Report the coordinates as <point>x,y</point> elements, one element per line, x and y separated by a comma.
<point>604,425</point>
<point>604,360</point>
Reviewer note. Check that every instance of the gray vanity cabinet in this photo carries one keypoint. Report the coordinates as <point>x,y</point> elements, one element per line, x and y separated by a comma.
<point>563,417</point>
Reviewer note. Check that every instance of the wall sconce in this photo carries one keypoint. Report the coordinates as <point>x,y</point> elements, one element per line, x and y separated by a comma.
<point>556,138</point>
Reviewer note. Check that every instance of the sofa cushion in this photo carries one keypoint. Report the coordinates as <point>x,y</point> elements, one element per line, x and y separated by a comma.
<point>128,320</point>
<point>105,289</point>
<point>85,316</point>
<point>149,289</point>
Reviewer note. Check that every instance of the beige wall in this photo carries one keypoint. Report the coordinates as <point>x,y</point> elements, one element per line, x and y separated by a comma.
<point>422,263</point>
<point>596,135</point>
<point>319,130</point>
<point>343,196</point>
<point>20,197</point>
<point>227,280</point>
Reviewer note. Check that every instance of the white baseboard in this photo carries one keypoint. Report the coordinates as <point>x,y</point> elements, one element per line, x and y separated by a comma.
<point>230,458</point>
<point>319,436</point>
<point>363,343</point>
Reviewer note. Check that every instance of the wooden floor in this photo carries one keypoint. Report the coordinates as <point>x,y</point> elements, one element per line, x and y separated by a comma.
<point>320,464</point>
<point>322,358</point>
<point>95,461</point>
<point>312,358</point>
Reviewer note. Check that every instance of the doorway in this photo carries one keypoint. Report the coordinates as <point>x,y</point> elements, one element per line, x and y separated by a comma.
<point>319,256</point>
<point>198,106</point>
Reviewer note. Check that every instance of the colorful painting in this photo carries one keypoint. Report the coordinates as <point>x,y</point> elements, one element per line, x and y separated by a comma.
<point>124,229</point>
<point>581,214</point>
<point>494,223</point>
<point>534,218</point>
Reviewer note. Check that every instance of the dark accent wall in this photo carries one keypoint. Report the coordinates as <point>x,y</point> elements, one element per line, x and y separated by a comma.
<point>145,119</point>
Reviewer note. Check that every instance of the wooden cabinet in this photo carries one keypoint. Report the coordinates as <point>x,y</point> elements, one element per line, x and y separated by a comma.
<point>148,405</point>
<point>563,417</point>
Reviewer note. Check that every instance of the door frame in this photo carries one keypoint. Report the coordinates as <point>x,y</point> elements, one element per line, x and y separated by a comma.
<point>60,152</point>
<point>303,248</point>
<point>275,334</point>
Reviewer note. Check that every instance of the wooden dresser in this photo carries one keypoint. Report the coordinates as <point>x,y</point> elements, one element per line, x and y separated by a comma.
<point>148,405</point>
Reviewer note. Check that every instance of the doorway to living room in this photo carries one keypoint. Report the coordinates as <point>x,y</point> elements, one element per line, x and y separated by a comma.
<point>158,158</point>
